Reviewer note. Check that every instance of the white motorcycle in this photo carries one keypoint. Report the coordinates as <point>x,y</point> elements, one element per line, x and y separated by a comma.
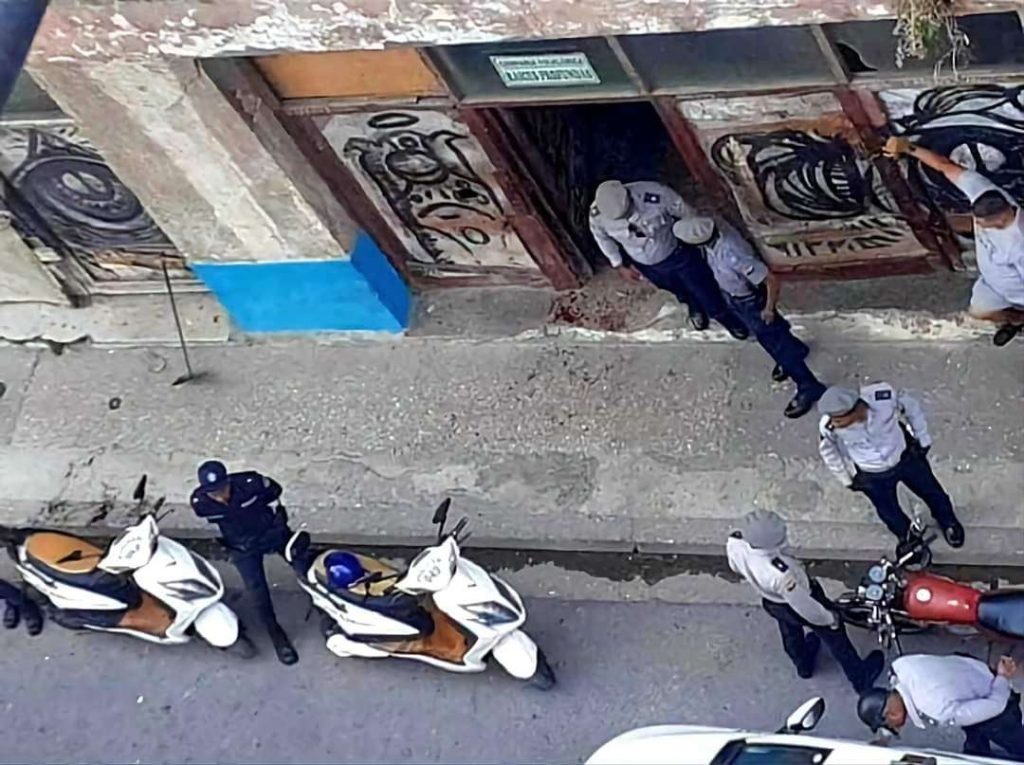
<point>143,584</point>
<point>442,610</point>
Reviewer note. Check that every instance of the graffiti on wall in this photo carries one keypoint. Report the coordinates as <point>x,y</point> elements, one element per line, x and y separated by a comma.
<point>859,237</point>
<point>978,126</point>
<point>69,197</point>
<point>802,175</point>
<point>432,178</point>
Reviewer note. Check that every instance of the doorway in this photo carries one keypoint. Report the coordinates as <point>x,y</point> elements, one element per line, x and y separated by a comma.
<point>570,149</point>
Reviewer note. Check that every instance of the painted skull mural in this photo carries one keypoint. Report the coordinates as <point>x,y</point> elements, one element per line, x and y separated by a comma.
<point>979,126</point>
<point>432,176</point>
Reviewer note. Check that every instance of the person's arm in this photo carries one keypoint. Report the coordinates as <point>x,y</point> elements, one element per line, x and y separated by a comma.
<point>833,458</point>
<point>773,288</point>
<point>911,408</point>
<point>608,246</point>
<point>270,491</point>
<point>963,713</point>
<point>206,508</point>
<point>895,146</point>
<point>800,600</point>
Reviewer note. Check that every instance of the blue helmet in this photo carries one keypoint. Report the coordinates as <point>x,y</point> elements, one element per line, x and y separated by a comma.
<point>212,475</point>
<point>343,570</point>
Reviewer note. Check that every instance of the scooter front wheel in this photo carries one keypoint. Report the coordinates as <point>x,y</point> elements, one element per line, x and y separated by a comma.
<point>544,677</point>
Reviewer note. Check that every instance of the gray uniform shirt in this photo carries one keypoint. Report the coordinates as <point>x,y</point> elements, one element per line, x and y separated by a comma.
<point>779,578</point>
<point>736,267</point>
<point>645,235</point>
<point>949,690</point>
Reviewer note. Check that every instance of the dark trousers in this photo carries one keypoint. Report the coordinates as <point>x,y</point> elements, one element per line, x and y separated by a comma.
<point>687,275</point>
<point>778,341</point>
<point>1005,730</point>
<point>249,563</point>
<point>914,471</point>
<point>794,627</point>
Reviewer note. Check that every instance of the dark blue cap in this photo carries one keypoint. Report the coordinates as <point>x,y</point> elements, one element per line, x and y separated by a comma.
<point>213,475</point>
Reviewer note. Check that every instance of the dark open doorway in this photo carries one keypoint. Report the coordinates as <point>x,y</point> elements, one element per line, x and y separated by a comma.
<point>570,149</point>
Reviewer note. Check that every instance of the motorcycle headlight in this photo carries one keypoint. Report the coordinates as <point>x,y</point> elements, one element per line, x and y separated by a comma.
<point>874,593</point>
<point>491,613</point>
<point>876,574</point>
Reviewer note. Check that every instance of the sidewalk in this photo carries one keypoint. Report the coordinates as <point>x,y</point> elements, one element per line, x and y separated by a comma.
<point>573,441</point>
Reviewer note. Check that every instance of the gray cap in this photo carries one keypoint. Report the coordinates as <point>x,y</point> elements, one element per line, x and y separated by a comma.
<point>693,230</point>
<point>764,530</point>
<point>612,199</point>
<point>838,400</point>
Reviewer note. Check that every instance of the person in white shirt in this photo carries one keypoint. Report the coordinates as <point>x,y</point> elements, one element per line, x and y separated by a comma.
<point>876,437</point>
<point>998,294</point>
<point>950,691</point>
<point>797,602</point>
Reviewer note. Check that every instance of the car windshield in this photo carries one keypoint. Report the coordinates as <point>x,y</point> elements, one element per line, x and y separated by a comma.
<point>775,754</point>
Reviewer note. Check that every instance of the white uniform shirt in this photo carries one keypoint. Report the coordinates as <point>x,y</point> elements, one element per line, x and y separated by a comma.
<point>1000,252</point>
<point>877,444</point>
<point>646,233</point>
<point>949,690</point>
<point>736,267</point>
<point>777,577</point>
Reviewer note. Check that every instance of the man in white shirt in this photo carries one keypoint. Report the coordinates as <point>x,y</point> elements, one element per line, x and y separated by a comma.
<point>797,602</point>
<point>998,295</point>
<point>873,439</point>
<point>944,691</point>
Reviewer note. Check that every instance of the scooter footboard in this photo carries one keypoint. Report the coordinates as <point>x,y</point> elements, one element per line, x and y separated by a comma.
<point>517,653</point>
<point>217,625</point>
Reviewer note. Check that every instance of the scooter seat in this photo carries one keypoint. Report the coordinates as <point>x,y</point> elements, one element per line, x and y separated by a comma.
<point>1003,612</point>
<point>380,596</point>
<point>74,561</point>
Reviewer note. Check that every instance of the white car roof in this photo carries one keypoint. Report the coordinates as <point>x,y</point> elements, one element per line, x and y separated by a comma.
<point>694,745</point>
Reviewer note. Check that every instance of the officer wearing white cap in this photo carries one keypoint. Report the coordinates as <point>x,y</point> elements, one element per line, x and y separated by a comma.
<point>796,601</point>
<point>752,292</point>
<point>636,219</point>
<point>876,437</point>
<point>946,691</point>
<point>998,294</point>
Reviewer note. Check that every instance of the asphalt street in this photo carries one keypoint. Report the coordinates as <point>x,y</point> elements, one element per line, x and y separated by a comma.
<point>69,697</point>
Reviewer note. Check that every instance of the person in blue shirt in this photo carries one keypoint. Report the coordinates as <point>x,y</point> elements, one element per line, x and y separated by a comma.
<point>246,508</point>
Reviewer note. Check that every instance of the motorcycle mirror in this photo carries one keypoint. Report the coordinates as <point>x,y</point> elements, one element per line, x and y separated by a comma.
<point>805,717</point>
<point>140,489</point>
<point>441,514</point>
<point>158,504</point>
<point>459,527</point>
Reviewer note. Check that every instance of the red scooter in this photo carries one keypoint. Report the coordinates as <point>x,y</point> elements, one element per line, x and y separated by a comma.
<point>893,601</point>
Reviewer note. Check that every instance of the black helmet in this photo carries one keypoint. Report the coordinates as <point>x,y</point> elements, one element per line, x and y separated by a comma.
<point>871,708</point>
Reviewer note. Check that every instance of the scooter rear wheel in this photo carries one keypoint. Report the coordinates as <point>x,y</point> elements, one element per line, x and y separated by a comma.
<point>544,677</point>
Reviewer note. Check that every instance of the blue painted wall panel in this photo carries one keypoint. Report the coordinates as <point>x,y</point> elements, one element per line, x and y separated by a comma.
<point>386,281</point>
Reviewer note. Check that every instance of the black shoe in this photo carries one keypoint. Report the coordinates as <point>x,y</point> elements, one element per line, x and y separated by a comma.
<point>800,405</point>
<point>1005,334</point>
<point>699,320</point>
<point>806,668</point>
<point>738,331</point>
<point>12,616</point>
<point>286,653</point>
<point>870,670</point>
<point>779,374</point>
<point>33,617</point>
<point>954,534</point>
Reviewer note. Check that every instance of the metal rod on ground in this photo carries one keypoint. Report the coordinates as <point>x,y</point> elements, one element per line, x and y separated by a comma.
<point>189,375</point>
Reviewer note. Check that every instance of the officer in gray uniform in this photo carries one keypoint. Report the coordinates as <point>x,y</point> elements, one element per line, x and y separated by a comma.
<point>636,219</point>
<point>876,437</point>
<point>752,292</point>
<point>795,601</point>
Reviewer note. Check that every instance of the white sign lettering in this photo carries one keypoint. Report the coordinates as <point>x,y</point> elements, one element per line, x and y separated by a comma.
<point>548,70</point>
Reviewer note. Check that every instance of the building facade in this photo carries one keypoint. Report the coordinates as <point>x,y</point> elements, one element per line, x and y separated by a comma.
<point>311,166</point>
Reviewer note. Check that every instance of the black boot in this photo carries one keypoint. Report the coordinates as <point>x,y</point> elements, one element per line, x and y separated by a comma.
<point>286,653</point>
<point>33,617</point>
<point>12,616</point>
<point>698,319</point>
<point>779,374</point>
<point>954,534</point>
<point>1005,334</point>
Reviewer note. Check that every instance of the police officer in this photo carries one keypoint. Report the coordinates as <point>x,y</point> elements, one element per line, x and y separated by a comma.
<point>998,294</point>
<point>943,691</point>
<point>18,607</point>
<point>243,507</point>
<point>636,219</point>
<point>795,601</point>
<point>752,292</point>
<point>876,437</point>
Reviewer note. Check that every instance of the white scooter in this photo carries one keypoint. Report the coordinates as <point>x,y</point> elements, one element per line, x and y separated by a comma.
<point>144,585</point>
<point>443,610</point>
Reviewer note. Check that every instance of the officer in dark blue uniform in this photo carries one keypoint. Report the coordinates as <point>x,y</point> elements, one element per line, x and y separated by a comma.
<point>252,524</point>
<point>19,607</point>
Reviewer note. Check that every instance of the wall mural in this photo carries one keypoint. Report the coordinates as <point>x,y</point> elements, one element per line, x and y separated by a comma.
<point>69,197</point>
<point>979,126</point>
<point>429,176</point>
<point>807,192</point>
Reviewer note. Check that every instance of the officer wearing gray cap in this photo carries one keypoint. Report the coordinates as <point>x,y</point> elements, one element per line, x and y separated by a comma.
<point>752,293</point>
<point>874,438</point>
<point>636,219</point>
<point>795,600</point>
